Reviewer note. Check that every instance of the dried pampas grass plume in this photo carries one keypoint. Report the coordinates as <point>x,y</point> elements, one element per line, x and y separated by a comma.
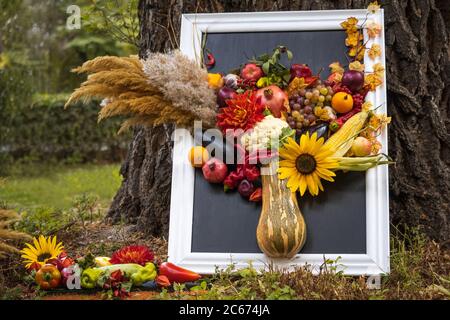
<point>164,88</point>
<point>183,83</point>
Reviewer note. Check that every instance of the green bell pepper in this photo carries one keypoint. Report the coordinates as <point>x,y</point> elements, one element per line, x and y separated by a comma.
<point>135,272</point>
<point>89,277</point>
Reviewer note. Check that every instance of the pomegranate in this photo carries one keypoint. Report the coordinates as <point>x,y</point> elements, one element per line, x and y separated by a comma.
<point>214,170</point>
<point>273,98</point>
<point>251,72</point>
<point>300,71</point>
<point>354,80</point>
<point>361,147</point>
<point>224,94</point>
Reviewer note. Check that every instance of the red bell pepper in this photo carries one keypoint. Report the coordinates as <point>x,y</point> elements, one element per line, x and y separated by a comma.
<point>177,274</point>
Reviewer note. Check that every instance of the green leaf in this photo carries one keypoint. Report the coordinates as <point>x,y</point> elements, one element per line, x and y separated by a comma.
<point>287,77</point>
<point>289,54</point>
<point>267,112</point>
<point>265,67</point>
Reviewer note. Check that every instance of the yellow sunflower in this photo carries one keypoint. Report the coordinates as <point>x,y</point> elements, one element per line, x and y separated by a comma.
<point>306,164</point>
<point>44,249</point>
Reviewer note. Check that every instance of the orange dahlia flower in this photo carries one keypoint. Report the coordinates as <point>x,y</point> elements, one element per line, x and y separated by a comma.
<point>243,112</point>
<point>132,254</point>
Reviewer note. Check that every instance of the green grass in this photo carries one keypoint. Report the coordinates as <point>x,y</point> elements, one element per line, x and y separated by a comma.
<point>57,186</point>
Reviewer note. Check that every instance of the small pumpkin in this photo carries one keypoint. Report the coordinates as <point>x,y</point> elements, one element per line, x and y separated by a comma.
<point>342,102</point>
<point>281,231</point>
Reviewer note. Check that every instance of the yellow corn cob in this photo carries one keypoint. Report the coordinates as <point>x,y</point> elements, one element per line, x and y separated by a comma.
<point>342,140</point>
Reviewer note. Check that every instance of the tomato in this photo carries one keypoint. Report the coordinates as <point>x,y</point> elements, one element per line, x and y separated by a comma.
<point>48,277</point>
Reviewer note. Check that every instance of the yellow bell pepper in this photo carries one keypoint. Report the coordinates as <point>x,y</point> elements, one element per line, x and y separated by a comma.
<point>215,80</point>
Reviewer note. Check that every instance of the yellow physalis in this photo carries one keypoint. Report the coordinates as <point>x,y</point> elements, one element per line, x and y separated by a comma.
<point>372,81</point>
<point>378,69</point>
<point>377,121</point>
<point>357,66</point>
<point>374,51</point>
<point>361,53</point>
<point>373,7</point>
<point>336,67</point>
<point>353,39</point>
<point>296,85</point>
<point>357,52</point>
<point>373,29</point>
<point>324,113</point>
<point>376,146</point>
<point>366,106</point>
<point>350,25</point>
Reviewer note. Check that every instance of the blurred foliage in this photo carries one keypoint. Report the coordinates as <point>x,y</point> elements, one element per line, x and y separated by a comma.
<point>45,131</point>
<point>37,52</point>
<point>115,17</point>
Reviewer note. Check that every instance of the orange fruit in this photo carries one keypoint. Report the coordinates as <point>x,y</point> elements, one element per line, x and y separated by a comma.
<point>342,102</point>
<point>198,156</point>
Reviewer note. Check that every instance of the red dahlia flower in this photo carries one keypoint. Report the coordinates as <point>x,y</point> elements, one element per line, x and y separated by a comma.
<point>133,254</point>
<point>243,112</point>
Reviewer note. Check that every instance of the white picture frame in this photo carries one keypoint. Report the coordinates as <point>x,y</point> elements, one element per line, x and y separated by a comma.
<point>376,259</point>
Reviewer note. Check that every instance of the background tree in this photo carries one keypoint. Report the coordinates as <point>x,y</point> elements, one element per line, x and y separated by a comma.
<point>418,68</point>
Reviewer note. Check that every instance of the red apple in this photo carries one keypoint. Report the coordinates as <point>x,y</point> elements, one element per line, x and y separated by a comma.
<point>300,71</point>
<point>251,72</point>
<point>273,98</point>
<point>354,80</point>
<point>361,147</point>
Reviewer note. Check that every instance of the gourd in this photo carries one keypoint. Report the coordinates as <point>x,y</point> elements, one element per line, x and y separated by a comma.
<point>281,231</point>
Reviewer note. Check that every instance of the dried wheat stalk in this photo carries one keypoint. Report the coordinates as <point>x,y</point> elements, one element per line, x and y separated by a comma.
<point>164,88</point>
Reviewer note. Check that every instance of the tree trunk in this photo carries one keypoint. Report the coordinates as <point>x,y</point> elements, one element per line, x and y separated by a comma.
<point>418,68</point>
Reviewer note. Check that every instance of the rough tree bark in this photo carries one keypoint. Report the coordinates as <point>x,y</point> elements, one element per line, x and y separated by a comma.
<point>418,69</point>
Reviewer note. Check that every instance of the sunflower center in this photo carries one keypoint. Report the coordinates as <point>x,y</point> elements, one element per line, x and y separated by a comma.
<point>305,163</point>
<point>44,257</point>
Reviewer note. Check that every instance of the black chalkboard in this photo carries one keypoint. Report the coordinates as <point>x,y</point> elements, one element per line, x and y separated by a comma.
<point>336,221</point>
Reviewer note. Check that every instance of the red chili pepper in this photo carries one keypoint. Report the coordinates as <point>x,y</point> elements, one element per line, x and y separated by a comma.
<point>177,274</point>
<point>162,281</point>
<point>211,60</point>
<point>256,196</point>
